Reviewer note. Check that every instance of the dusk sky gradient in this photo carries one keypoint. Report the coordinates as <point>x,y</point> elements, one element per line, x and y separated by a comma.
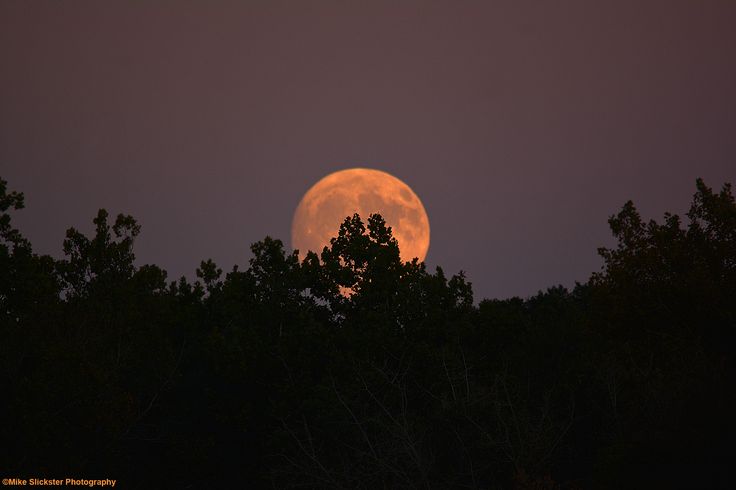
<point>522,126</point>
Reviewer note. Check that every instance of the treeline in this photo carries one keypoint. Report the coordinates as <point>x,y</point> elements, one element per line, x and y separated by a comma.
<point>355,370</point>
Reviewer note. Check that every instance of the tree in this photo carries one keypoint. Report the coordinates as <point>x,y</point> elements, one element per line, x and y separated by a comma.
<point>353,369</point>
<point>665,316</point>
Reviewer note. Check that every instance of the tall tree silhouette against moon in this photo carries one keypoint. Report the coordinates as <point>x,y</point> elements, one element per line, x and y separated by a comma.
<point>363,191</point>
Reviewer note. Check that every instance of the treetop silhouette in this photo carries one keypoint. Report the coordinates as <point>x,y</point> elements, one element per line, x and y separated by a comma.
<point>272,375</point>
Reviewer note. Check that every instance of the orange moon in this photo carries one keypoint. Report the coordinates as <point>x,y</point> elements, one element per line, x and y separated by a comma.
<point>364,191</point>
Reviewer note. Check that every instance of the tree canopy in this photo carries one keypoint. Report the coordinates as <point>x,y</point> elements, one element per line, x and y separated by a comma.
<point>353,369</point>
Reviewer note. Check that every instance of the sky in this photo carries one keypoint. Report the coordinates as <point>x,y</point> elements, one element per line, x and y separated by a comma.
<point>522,126</point>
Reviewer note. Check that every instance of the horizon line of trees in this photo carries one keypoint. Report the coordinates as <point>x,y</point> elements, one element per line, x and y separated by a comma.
<point>273,377</point>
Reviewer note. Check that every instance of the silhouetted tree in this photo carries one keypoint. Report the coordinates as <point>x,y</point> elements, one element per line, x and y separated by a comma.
<point>354,369</point>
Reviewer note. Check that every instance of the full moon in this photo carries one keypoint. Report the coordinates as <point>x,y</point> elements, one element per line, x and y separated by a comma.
<point>364,191</point>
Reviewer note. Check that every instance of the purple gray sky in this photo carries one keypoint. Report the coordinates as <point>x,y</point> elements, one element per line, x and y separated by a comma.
<point>521,125</point>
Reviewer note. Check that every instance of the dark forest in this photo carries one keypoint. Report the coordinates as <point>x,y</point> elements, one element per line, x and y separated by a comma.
<point>352,369</point>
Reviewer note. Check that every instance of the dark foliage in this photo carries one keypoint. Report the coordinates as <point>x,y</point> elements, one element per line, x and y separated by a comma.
<point>352,369</point>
